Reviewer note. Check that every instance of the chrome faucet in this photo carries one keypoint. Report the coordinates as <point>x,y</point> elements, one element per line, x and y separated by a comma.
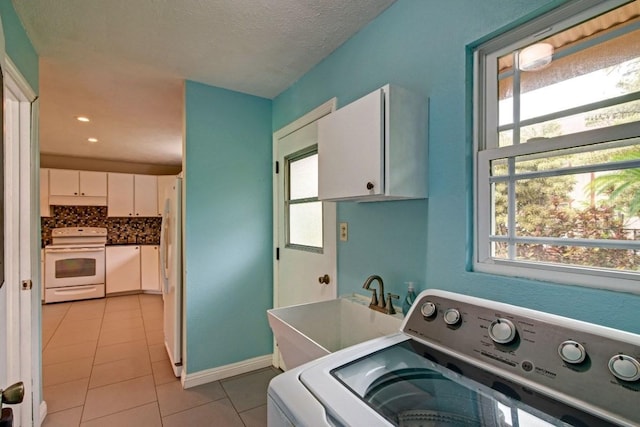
<point>375,304</point>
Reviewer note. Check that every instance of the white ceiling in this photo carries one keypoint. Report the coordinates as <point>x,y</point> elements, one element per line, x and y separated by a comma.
<point>123,62</point>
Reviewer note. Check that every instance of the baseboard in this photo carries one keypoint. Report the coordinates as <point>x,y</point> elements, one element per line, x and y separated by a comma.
<point>43,412</point>
<point>222,372</point>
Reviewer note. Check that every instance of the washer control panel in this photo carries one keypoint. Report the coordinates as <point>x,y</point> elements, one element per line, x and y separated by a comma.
<point>570,357</point>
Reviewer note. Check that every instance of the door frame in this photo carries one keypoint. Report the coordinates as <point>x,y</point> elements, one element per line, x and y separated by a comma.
<point>22,244</point>
<point>310,117</point>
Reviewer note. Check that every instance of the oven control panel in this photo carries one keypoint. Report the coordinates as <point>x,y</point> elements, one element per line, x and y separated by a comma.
<point>589,363</point>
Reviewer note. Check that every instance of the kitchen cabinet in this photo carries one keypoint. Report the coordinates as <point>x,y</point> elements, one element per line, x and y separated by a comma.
<point>42,275</point>
<point>145,195</point>
<point>72,187</point>
<point>164,182</point>
<point>122,268</point>
<point>45,208</point>
<point>375,148</point>
<point>120,194</point>
<point>132,195</point>
<point>150,268</point>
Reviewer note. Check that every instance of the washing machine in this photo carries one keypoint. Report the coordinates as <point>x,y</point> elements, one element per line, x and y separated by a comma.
<point>464,361</point>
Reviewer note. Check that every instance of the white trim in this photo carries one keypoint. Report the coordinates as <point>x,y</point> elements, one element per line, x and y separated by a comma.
<point>23,352</point>
<point>44,410</point>
<point>566,278</point>
<point>24,88</point>
<point>222,372</point>
<point>485,131</point>
<point>310,117</point>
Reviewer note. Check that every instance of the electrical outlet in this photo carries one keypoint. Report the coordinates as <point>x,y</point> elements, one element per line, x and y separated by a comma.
<point>344,232</point>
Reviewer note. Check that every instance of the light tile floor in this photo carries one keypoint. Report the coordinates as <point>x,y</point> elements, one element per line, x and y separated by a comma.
<point>104,364</point>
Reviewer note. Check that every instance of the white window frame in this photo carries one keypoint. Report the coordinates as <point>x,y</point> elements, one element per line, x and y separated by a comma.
<point>307,152</point>
<point>485,125</point>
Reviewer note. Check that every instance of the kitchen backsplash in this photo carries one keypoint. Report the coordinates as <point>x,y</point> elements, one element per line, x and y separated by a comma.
<point>120,230</point>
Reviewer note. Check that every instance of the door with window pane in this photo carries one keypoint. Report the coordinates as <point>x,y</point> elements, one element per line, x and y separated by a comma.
<point>306,226</point>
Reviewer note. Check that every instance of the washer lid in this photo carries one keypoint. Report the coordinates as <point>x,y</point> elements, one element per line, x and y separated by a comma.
<point>410,384</point>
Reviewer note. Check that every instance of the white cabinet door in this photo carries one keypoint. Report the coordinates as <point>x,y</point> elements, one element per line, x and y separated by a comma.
<point>375,148</point>
<point>150,268</point>
<point>64,182</point>
<point>45,208</point>
<point>164,182</point>
<point>120,194</point>
<point>350,150</point>
<point>122,268</point>
<point>93,184</point>
<point>145,195</point>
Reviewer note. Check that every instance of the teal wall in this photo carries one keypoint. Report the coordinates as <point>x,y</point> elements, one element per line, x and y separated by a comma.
<point>421,45</point>
<point>18,45</point>
<point>228,236</point>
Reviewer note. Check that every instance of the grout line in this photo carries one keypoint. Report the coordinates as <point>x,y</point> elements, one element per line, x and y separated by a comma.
<point>86,394</point>
<point>148,326</point>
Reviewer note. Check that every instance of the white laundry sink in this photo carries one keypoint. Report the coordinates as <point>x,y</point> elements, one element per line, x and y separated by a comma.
<point>308,331</point>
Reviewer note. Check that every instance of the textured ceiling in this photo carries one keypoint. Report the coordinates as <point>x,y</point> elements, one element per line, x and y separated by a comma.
<point>122,62</point>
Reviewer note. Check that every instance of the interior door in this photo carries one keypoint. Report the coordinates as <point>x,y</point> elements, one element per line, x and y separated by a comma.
<point>19,349</point>
<point>306,226</point>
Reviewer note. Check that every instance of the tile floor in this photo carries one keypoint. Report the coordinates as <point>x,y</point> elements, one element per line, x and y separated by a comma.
<point>104,364</point>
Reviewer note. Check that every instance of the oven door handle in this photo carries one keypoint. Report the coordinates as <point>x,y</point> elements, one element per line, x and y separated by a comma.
<point>73,250</point>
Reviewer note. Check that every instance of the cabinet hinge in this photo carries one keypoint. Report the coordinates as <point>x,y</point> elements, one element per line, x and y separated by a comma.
<point>277,254</point>
<point>277,167</point>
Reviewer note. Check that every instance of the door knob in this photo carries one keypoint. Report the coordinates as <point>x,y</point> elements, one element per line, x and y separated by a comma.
<point>12,394</point>
<point>370,185</point>
<point>324,279</point>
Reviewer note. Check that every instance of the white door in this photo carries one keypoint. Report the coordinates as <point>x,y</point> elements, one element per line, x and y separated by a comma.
<point>19,312</point>
<point>304,228</point>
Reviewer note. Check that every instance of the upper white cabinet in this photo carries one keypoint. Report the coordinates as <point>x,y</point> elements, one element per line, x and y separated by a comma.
<point>72,187</point>
<point>45,208</point>
<point>120,195</point>
<point>374,148</point>
<point>132,195</point>
<point>145,195</point>
<point>164,182</point>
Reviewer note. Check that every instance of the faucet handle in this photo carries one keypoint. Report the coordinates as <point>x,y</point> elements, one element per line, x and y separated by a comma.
<point>390,298</point>
<point>374,298</point>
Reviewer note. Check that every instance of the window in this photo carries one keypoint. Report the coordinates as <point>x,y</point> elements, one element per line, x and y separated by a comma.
<point>557,140</point>
<point>303,209</point>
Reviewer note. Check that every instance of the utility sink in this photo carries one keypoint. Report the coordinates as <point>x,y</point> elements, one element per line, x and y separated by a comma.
<point>308,331</point>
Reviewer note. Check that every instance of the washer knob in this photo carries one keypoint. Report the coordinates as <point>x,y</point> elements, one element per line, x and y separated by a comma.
<point>452,316</point>
<point>502,331</point>
<point>428,309</point>
<point>625,367</point>
<point>572,352</point>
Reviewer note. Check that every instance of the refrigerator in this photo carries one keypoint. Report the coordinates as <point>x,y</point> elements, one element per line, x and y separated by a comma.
<point>171,272</point>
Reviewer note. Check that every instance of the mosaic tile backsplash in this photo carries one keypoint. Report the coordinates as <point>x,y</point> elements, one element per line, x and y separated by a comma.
<point>119,230</point>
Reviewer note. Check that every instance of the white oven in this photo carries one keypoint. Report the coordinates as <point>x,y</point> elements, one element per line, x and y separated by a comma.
<point>75,264</point>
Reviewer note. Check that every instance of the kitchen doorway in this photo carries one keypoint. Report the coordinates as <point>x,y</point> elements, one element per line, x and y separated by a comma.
<point>304,227</point>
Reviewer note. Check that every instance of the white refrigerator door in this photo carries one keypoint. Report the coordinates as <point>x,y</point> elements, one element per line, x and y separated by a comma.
<point>171,272</point>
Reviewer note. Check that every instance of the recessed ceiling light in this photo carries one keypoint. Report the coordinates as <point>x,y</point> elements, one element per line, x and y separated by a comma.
<point>82,119</point>
<point>92,139</point>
